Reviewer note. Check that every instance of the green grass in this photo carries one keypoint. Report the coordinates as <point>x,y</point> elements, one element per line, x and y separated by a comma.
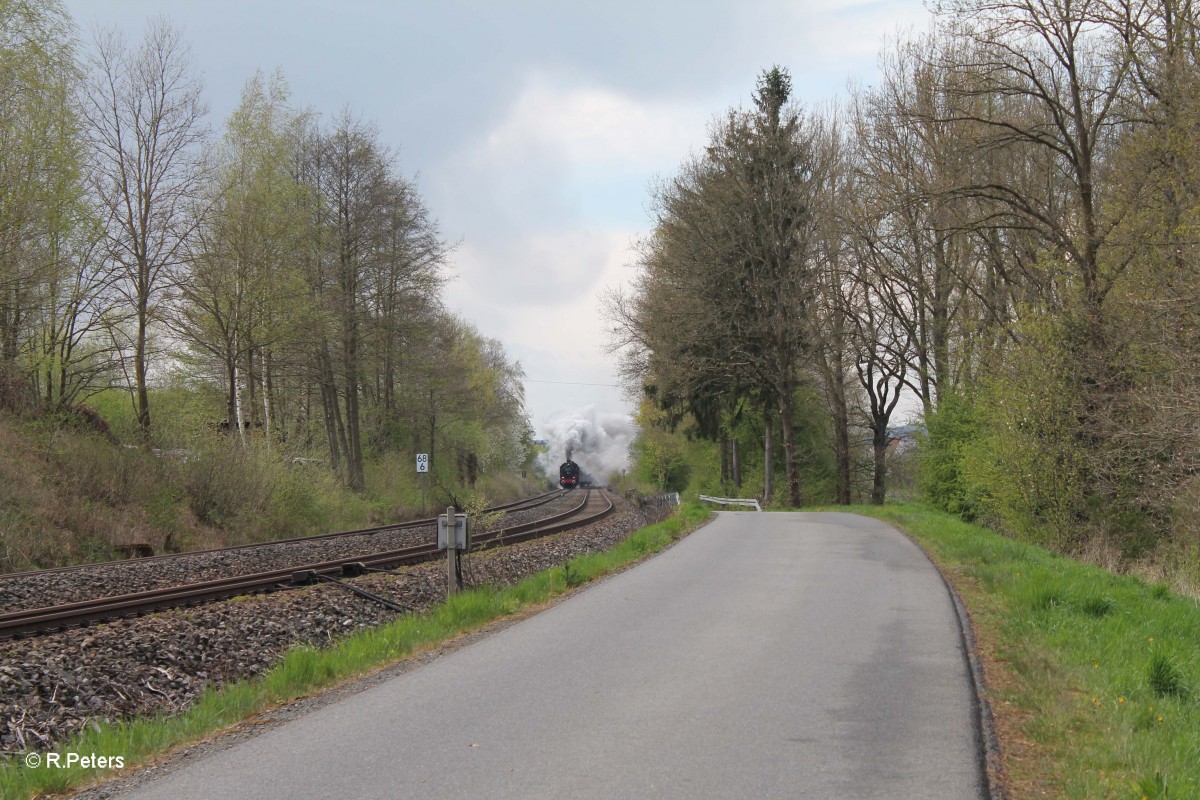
<point>1105,669</point>
<point>305,670</point>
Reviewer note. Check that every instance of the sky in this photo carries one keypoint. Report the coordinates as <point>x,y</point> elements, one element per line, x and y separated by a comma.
<point>533,130</point>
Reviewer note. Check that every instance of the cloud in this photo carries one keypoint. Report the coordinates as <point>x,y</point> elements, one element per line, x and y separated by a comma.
<point>542,271</point>
<point>529,243</point>
<point>595,129</point>
<point>843,34</point>
<point>539,294</point>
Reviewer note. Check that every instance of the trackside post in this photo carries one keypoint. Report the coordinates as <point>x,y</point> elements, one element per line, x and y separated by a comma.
<point>453,535</point>
<point>423,471</point>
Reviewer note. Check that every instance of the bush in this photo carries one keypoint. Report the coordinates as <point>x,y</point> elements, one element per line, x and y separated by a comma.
<point>660,460</point>
<point>222,480</point>
<point>90,467</point>
<point>953,430</point>
<point>1026,451</point>
<point>16,394</point>
<point>28,544</point>
<point>307,499</point>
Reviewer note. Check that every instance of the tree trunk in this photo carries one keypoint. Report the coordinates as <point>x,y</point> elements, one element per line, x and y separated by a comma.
<point>841,443</point>
<point>736,465</point>
<point>329,407</point>
<point>790,456</point>
<point>354,460</point>
<point>230,386</point>
<point>251,382</point>
<point>266,376</point>
<point>725,445</point>
<point>237,418</point>
<point>432,430</point>
<point>879,441</point>
<point>139,376</point>
<point>768,461</point>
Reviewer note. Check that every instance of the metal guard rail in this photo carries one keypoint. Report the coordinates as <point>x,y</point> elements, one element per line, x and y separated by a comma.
<point>733,501</point>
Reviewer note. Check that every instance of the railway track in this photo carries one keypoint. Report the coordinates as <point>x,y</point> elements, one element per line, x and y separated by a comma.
<point>20,591</point>
<point>593,505</point>
<point>529,502</point>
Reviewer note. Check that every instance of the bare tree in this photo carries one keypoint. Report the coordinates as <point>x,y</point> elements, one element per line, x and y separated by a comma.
<point>1050,75</point>
<point>72,353</point>
<point>145,115</point>
<point>883,348</point>
<point>40,170</point>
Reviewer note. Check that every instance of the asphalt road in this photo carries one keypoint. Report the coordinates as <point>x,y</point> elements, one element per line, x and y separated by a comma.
<point>766,655</point>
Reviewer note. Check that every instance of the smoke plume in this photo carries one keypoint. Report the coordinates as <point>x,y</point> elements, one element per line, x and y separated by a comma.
<point>599,441</point>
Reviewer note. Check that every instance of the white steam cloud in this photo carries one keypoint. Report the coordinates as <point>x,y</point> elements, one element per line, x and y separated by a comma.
<point>599,442</point>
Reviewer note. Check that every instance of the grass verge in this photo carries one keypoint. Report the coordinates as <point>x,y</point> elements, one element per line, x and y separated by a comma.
<point>1095,676</point>
<point>305,670</point>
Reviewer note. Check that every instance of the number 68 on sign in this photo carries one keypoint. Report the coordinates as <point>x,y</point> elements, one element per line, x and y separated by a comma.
<point>422,462</point>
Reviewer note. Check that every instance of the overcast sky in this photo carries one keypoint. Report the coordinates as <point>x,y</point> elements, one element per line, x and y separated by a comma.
<point>533,129</point>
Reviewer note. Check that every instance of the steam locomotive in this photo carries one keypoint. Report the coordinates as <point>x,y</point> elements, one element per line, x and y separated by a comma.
<point>568,474</point>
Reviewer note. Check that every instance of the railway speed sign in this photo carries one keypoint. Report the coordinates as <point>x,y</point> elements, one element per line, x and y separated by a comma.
<point>422,462</point>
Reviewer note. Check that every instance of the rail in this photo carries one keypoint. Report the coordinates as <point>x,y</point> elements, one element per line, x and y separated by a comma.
<point>53,618</point>
<point>518,505</point>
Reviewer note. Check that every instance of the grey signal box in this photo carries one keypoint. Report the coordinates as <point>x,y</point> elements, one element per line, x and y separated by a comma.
<point>462,538</point>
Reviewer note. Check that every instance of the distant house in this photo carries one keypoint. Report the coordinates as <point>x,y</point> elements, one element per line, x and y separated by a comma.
<point>904,439</point>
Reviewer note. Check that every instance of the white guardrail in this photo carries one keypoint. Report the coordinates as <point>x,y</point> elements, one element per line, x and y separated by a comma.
<point>733,501</point>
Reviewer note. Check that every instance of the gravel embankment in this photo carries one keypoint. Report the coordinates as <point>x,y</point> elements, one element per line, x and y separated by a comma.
<point>127,577</point>
<point>53,686</point>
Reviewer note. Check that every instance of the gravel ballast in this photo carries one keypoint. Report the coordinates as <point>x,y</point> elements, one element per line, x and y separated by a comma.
<point>52,687</point>
<point>40,590</point>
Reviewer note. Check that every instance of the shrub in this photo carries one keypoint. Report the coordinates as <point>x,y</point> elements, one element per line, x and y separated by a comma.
<point>16,394</point>
<point>952,430</point>
<point>1029,455</point>
<point>660,460</point>
<point>222,480</point>
<point>28,544</point>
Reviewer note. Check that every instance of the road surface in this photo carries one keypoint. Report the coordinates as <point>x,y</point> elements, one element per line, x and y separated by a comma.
<point>790,655</point>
